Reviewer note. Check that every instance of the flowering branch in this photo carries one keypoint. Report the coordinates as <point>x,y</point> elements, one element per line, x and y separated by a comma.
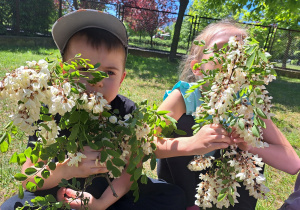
<point>234,96</point>
<point>51,100</point>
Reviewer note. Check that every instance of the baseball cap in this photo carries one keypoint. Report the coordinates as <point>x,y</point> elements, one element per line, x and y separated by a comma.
<point>66,26</point>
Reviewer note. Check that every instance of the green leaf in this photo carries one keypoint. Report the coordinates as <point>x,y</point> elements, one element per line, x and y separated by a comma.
<point>238,101</point>
<point>93,146</point>
<point>224,190</point>
<point>241,124</point>
<point>50,198</point>
<point>153,163</point>
<point>39,164</point>
<point>39,181</point>
<point>45,173</point>
<point>134,186</point>
<point>58,204</point>
<point>180,132</point>
<point>3,137</point>
<point>4,146</point>
<point>71,146</point>
<point>118,162</point>
<point>21,192</point>
<point>21,159</point>
<point>27,152</point>
<point>225,181</point>
<point>261,122</point>
<point>107,143</point>
<point>30,186</point>
<point>137,173</point>
<point>14,158</point>
<point>30,171</point>
<point>74,132</point>
<point>261,113</point>
<point>52,166</point>
<point>20,176</point>
<point>162,112</point>
<point>221,196</point>
<point>45,117</point>
<point>103,155</point>
<point>113,153</point>
<point>250,60</point>
<point>61,156</point>
<point>75,116</point>
<point>81,85</point>
<point>144,179</point>
<point>255,131</point>
<point>74,90</point>
<point>230,198</point>
<point>262,56</point>
<point>259,100</point>
<point>84,116</point>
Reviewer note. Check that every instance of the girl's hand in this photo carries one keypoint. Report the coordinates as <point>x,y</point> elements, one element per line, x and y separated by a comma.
<point>210,137</point>
<point>89,165</point>
<point>72,197</point>
<point>239,141</point>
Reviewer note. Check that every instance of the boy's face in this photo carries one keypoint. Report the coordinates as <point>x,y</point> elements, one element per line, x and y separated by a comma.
<point>111,62</point>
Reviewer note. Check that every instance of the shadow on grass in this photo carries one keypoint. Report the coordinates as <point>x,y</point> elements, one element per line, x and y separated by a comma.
<point>286,92</point>
<point>34,50</point>
<point>152,68</point>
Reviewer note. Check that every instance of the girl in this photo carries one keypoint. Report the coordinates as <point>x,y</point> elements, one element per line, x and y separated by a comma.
<point>174,170</point>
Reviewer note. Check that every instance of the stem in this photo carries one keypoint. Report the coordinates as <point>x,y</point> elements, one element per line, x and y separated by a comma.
<point>111,186</point>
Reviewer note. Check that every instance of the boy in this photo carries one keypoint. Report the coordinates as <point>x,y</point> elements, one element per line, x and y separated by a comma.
<point>101,38</point>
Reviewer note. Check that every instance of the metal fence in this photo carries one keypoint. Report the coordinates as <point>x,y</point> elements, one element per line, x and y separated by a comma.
<point>147,28</point>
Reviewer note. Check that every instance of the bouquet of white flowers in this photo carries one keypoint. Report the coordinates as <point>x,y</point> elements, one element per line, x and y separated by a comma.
<point>51,99</point>
<point>234,96</point>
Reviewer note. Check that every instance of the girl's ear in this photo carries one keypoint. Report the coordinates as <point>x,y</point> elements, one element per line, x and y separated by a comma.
<point>196,72</point>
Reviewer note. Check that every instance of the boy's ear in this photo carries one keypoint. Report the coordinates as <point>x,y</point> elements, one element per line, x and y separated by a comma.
<point>123,77</point>
<point>196,71</point>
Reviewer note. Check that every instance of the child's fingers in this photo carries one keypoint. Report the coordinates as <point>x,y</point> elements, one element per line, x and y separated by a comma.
<point>216,146</point>
<point>238,140</point>
<point>60,194</point>
<point>71,193</point>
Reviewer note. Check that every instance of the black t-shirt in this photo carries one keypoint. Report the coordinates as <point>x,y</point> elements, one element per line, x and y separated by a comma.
<point>99,184</point>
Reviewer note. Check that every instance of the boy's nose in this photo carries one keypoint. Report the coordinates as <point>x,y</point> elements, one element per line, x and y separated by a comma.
<point>99,84</point>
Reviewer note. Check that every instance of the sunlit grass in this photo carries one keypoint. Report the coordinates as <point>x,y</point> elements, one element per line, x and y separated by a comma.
<point>148,78</point>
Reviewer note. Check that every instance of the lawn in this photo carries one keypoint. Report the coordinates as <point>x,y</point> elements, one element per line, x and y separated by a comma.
<point>148,78</point>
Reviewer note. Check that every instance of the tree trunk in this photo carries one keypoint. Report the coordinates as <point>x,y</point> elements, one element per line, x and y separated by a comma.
<point>17,17</point>
<point>287,50</point>
<point>174,45</point>
<point>60,8</point>
<point>75,4</point>
<point>151,40</point>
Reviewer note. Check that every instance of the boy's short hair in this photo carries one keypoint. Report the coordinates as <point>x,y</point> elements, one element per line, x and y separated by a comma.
<point>81,20</point>
<point>97,37</point>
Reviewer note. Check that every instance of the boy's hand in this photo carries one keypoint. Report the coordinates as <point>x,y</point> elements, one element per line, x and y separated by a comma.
<point>89,165</point>
<point>239,141</point>
<point>72,197</point>
<point>211,137</point>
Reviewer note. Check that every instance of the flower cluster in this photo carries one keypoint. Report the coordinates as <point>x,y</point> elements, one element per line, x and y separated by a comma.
<point>51,99</point>
<point>236,98</point>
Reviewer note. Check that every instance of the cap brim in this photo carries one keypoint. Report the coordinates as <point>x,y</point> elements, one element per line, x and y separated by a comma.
<point>65,27</point>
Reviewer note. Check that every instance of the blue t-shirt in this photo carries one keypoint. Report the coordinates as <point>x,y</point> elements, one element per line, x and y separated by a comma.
<point>191,102</point>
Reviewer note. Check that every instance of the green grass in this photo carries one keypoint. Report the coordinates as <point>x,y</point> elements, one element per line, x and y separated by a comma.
<point>289,66</point>
<point>148,78</point>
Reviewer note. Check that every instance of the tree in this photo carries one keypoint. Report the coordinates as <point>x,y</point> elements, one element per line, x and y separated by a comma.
<point>278,13</point>
<point>175,40</point>
<point>283,10</point>
<point>147,15</point>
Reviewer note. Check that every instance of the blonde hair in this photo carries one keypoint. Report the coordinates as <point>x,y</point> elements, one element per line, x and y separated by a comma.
<point>196,52</point>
